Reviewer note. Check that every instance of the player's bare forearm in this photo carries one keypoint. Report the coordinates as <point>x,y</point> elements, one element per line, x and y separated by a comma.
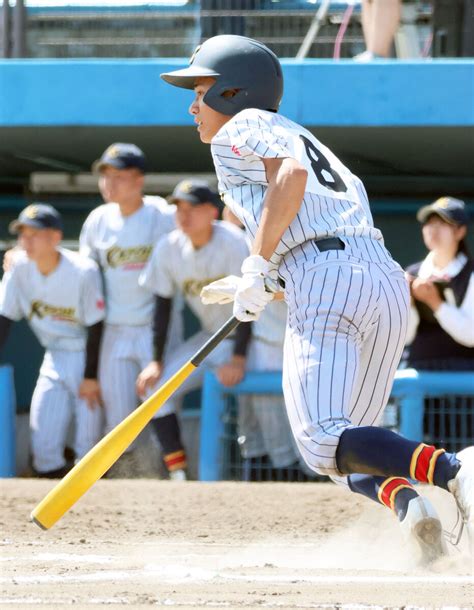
<point>286,187</point>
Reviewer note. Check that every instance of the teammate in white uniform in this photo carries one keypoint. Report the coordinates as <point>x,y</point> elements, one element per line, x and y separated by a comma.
<point>120,236</point>
<point>60,294</point>
<point>201,250</point>
<point>264,433</point>
<point>311,225</point>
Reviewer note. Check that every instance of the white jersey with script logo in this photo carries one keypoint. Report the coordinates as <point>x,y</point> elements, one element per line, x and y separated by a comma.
<point>122,245</point>
<point>57,306</point>
<point>177,268</point>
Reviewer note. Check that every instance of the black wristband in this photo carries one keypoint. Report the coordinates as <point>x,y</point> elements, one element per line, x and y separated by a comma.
<point>161,320</point>
<point>243,335</point>
<point>94,336</point>
<point>5,324</point>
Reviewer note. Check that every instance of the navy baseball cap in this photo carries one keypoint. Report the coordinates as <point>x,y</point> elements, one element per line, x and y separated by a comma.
<point>448,208</point>
<point>37,216</point>
<point>196,192</point>
<point>121,156</point>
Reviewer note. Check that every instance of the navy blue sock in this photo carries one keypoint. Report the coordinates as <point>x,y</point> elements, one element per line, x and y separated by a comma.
<point>376,451</point>
<point>396,492</point>
<point>380,452</point>
<point>446,468</point>
<point>402,500</point>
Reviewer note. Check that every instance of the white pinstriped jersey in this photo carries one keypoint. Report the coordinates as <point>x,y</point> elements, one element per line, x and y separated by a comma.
<point>335,201</point>
<point>270,326</point>
<point>122,245</point>
<point>57,306</point>
<point>176,267</point>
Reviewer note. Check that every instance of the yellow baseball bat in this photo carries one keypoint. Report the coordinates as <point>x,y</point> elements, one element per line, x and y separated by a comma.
<point>107,451</point>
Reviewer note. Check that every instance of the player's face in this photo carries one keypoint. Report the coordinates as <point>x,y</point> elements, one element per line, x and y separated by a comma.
<point>38,243</point>
<point>209,121</point>
<point>119,185</point>
<point>440,235</point>
<point>194,220</point>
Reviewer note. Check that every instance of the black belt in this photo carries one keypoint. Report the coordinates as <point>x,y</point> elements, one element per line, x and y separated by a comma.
<point>330,243</point>
<point>323,245</point>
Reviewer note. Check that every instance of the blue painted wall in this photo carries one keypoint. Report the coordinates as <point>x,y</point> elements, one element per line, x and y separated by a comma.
<point>319,93</point>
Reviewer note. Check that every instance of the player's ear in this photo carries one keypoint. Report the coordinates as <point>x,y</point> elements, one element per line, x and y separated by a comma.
<point>57,236</point>
<point>461,232</point>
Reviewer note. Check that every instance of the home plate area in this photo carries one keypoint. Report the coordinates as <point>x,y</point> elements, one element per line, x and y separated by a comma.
<point>147,543</point>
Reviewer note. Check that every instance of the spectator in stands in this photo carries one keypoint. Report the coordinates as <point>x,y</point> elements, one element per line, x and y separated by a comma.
<point>441,329</point>
<point>380,20</point>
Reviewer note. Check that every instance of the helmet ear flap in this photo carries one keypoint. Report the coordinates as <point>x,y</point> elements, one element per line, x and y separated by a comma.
<point>217,99</point>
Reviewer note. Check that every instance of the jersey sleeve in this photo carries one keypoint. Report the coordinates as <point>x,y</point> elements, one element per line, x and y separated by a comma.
<point>92,308</point>
<point>458,322</point>
<point>157,275</point>
<point>167,217</point>
<point>86,240</point>
<point>10,306</point>
<point>251,138</point>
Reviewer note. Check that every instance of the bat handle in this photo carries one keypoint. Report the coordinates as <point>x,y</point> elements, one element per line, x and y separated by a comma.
<point>226,329</point>
<point>216,338</point>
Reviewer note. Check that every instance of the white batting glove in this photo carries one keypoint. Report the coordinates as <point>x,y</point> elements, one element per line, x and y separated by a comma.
<point>252,296</point>
<point>221,291</point>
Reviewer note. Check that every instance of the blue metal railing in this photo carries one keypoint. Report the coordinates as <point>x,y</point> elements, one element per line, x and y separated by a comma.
<point>7,422</point>
<point>410,390</point>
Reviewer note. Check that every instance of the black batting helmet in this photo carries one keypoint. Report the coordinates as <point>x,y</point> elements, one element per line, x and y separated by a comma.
<point>236,62</point>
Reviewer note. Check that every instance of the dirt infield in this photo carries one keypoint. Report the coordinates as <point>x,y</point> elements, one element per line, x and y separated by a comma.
<point>148,543</point>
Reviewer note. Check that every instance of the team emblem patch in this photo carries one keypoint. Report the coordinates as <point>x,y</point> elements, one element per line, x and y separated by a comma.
<point>112,151</point>
<point>185,187</point>
<point>31,211</point>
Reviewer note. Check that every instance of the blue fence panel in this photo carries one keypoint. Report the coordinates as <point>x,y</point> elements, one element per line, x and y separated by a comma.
<point>212,411</point>
<point>7,422</point>
<point>412,387</point>
<point>410,390</point>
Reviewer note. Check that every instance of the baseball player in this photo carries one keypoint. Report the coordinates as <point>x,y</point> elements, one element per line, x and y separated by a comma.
<point>311,227</point>
<point>120,235</point>
<point>60,294</point>
<point>199,251</point>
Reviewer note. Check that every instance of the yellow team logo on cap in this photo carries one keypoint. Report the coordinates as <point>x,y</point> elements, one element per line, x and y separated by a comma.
<point>112,151</point>
<point>443,202</point>
<point>31,211</point>
<point>186,186</point>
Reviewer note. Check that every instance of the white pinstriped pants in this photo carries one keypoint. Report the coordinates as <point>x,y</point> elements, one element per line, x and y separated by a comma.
<point>54,404</point>
<point>263,425</point>
<point>124,352</point>
<point>345,335</point>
